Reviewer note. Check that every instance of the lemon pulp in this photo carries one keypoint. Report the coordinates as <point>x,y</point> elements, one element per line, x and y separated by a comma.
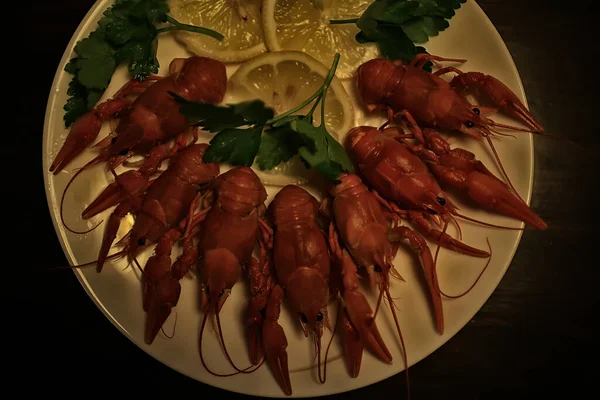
<point>239,21</point>
<point>303,25</point>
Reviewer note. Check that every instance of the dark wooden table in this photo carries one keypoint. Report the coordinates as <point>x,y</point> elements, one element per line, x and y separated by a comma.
<point>533,335</point>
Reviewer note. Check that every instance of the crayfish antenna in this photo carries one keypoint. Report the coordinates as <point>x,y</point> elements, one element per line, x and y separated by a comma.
<point>210,371</point>
<point>62,200</point>
<point>405,357</point>
<point>378,304</point>
<point>490,224</point>
<point>246,370</point>
<point>539,132</point>
<point>172,335</point>
<point>121,253</point>
<point>476,280</point>
<point>317,337</point>
<point>497,157</point>
<point>322,377</point>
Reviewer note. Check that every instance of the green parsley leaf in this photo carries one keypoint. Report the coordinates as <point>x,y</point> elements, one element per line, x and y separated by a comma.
<point>126,33</point>
<point>278,145</point>
<point>396,25</point>
<point>329,169</point>
<point>76,104</point>
<point>95,73</point>
<point>214,118</point>
<point>235,146</point>
<point>327,156</point>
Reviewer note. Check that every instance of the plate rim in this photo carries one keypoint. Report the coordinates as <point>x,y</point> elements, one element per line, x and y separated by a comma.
<point>51,101</point>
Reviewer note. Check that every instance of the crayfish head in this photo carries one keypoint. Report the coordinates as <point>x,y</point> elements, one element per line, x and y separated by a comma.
<point>308,293</point>
<point>363,144</point>
<point>220,270</point>
<point>379,270</point>
<point>468,120</point>
<point>349,183</point>
<point>292,204</point>
<point>240,191</point>
<point>373,78</point>
<point>378,274</point>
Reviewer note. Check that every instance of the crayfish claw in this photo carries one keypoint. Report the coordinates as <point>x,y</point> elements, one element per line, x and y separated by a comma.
<point>275,342</point>
<point>82,134</point>
<point>164,297</point>
<point>129,183</point>
<point>361,316</point>
<point>254,331</point>
<point>494,194</point>
<point>443,238</point>
<point>498,94</point>
<point>353,345</point>
<point>418,244</point>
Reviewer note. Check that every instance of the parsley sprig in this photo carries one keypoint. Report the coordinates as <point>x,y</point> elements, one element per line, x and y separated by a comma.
<point>126,33</point>
<point>396,25</point>
<point>249,131</point>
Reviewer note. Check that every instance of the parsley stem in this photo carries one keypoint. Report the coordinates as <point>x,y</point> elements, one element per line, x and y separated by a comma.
<point>343,21</point>
<point>323,110</point>
<point>178,26</point>
<point>312,110</point>
<point>318,93</point>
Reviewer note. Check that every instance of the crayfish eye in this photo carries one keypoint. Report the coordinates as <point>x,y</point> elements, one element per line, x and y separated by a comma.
<point>431,211</point>
<point>319,316</point>
<point>141,241</point>
<point>469,124</point>
<point>377,268</point>
<point>303,318</point>
<point>441,200</point>
<point>222,292</point>
<point>113,140</point>
<point>124,152</point>
<point>476,111</point>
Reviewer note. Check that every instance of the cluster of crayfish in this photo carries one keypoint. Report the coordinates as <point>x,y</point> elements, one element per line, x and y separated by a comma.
<point>311,252</point>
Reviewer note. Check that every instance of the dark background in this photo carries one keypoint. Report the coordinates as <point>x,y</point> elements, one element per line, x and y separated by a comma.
<point>533,335</point>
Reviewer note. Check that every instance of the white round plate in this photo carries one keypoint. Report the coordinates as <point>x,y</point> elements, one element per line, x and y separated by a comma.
<point>117,290</point>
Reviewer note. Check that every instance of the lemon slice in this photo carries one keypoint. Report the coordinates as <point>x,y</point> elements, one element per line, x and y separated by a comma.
<point>238,20</point>
<point>303,25</point>
<point>284,80</point>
